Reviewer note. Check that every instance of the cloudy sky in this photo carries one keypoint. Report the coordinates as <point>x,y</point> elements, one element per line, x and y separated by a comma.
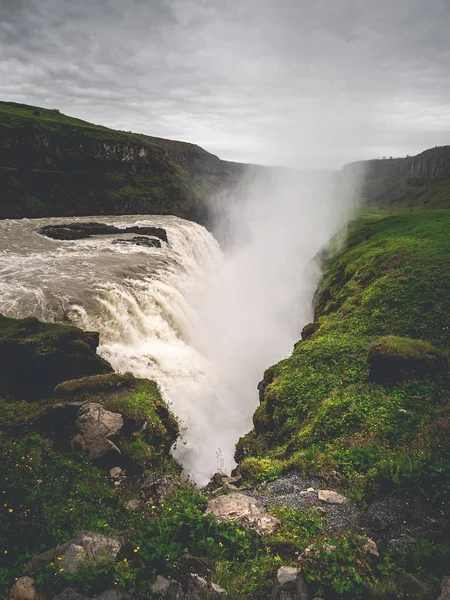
<point>266,81</point>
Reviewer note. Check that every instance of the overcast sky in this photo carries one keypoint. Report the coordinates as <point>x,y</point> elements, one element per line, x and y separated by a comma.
<point>317,82</point>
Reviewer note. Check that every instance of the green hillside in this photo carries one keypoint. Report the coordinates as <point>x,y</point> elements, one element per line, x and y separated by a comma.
<point>55,165</point>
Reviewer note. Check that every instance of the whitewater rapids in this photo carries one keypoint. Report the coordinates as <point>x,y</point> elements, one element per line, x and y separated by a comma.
<point>141,300</point>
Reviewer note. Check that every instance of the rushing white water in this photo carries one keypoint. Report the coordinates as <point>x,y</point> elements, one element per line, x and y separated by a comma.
<point>205,325</point>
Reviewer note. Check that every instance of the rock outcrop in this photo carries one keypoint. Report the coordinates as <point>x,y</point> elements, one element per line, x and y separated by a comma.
<point>95,425</point>
<point>248,512</point>
<point>48,353</point>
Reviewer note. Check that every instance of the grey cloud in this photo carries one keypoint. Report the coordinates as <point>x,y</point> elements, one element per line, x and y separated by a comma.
<point>259,80</point>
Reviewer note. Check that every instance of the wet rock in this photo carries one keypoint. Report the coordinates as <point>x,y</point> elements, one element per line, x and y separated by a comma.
<point>248,512</point>
<point>84,544</point>
<point>411,585</point>
<point>290,585</point>
<point>78,231</point>
<point>24,589</point>
<point>95,425</point>
<point>139,240</point>
<point>331,497</point>
<point>445,589</point>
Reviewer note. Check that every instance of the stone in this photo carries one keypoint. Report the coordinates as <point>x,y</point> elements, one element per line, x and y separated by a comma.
<point>410,584</point>
<point>331,497</point>
<point>248,513</point>
<point>200,589</point>
<point>69,594</point>
<point>83,544</point>
<point>290,585</point>
<point>160,586</point>
<point>286,575</point>
<point>445,588</point>
<point>95,425</point>
<point>24,589</point>
<point>115,472</point>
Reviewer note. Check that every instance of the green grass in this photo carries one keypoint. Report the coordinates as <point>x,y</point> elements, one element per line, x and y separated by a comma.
<point>321,409</point>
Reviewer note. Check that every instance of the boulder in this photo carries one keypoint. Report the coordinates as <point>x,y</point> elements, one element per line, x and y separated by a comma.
<point>290,585</point>
<point>24,589</point>
<point>200,589</point>
<point>331,497</point>
<point>84,544</point>
<point>392,358</point>
<point>248,512</point>
<point>95,425</point>
<point>160,586</point>
<point>411,585</point>
<point>445,589</point>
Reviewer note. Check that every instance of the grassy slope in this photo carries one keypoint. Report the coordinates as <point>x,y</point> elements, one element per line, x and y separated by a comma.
<point>321,412</point>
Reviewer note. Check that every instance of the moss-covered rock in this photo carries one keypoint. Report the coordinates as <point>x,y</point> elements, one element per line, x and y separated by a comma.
<point>393,358</point>
<point>150,429</point>
<point>35,356</point>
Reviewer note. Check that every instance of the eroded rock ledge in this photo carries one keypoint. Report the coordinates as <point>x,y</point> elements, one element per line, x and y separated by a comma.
<point>79,231</point>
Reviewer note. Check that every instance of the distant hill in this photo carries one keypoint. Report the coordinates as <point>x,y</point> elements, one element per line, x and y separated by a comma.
<point>422,180</point>
<point>55,165</point>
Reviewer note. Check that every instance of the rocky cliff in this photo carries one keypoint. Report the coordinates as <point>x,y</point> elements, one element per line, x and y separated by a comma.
<point>54,165</point>
<point>422,179</point>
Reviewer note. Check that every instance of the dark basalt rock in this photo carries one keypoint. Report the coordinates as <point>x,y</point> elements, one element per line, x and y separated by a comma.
<point>79,231</point>
<point>139,240</point>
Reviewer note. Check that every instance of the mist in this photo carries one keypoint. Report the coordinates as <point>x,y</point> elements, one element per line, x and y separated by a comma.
<point>251,310</point>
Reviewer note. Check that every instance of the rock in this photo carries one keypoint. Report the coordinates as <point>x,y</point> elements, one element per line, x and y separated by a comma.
<point>157,489</point>
<point>187,565</point>
<point>392,358</point>
<point>290,585</point>
<point>410,584</point>
<point>78,231</point>
<point>308,330</point>
<point>200,589</point>
<point>445,588</point>
<point>286,575</point>
<point>331,497</point>
<point>36,356</point>
<point>248,512</point>
<point>24,589</point>
<point>84,544</point>
<point>160,586</point>
<point>95,425</point>
<point>69,594</point>
<point>115,472</point>
<point>139,240</point>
